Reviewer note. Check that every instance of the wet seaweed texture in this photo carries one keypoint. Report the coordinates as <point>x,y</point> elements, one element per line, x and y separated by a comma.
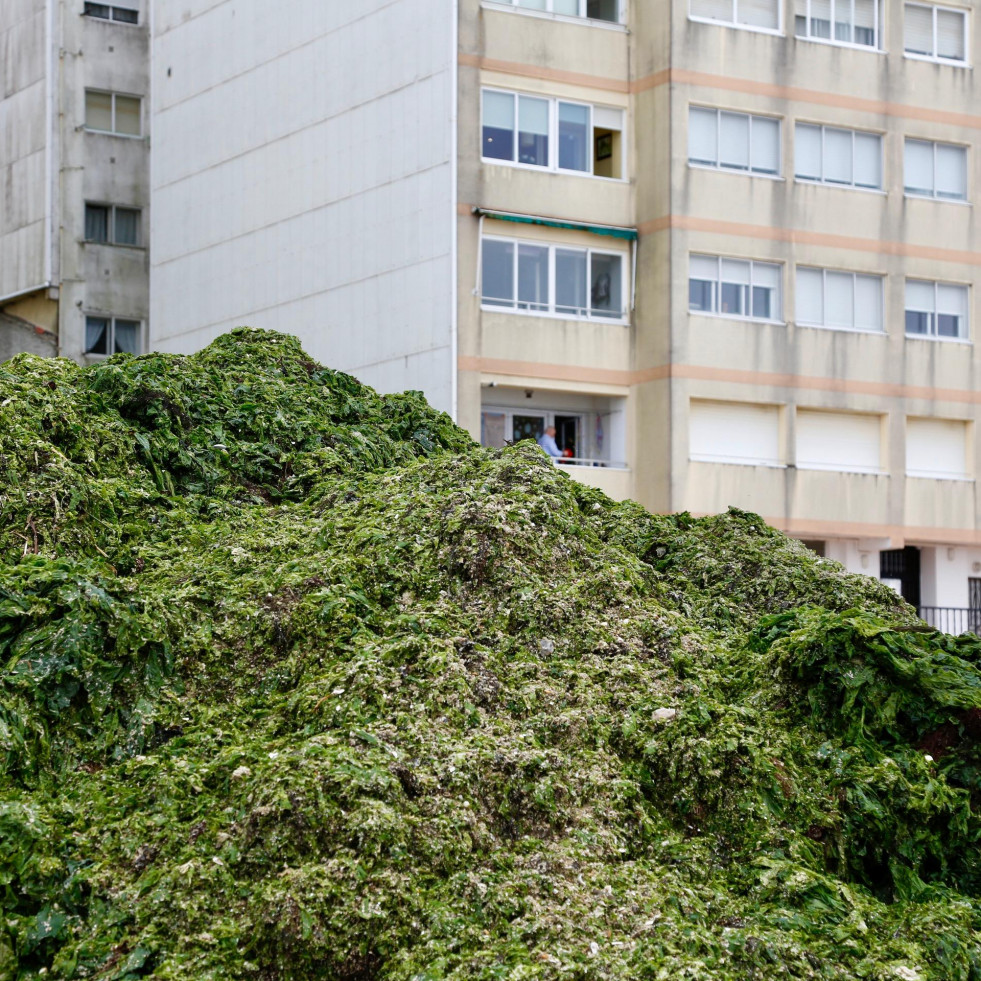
<point>298,682</point>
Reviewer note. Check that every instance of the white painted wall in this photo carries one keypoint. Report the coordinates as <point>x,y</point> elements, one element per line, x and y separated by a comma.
<point>302,180</point>
<point>24,139</point>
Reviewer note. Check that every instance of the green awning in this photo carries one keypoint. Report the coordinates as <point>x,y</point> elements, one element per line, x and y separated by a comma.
<point>613,231</point>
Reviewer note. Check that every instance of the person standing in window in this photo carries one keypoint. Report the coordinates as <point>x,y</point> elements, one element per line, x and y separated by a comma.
<point>547,442</point>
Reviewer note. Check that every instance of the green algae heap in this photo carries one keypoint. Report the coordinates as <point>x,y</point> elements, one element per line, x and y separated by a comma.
<point>298,682</point>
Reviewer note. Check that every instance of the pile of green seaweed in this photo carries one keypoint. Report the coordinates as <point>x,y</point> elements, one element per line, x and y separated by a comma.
<point>298,682</point>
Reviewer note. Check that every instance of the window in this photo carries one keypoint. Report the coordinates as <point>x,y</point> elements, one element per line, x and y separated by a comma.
<point>107,112</point>
<point>548,279</point>
<point>838,441</point>
<point>839,21</point>
<point>938,33</point>
<point>844,157</point>
<point>112,335</point>
<point>734,288</point>
<point>520,128</point>
<point>762,15</point>
<point>936,309</point>
<point>124,15</point>
<point>848,301</point>
<point>936,448</point>
<point>608,10</point>
<point>935,170</point>
<point>112,225</point>
<point>734,432</point>
<point>733,141</point>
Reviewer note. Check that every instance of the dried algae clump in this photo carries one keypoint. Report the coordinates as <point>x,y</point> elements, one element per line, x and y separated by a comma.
<point>298,682</point>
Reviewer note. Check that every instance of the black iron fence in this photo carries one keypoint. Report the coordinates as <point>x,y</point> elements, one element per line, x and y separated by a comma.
<point>952,619</point>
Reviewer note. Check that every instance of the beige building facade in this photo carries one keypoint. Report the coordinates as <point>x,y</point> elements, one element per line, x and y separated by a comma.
<point>798,309</point>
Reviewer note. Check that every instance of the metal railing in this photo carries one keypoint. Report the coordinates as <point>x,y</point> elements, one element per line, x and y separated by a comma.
<point>951,619</point>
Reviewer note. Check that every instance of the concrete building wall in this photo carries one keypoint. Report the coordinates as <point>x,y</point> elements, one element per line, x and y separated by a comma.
<point>25,142</point>
<point>302,181</point>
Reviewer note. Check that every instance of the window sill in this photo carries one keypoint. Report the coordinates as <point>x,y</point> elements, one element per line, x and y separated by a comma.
<point>831,43</point>
<point>963,202</point>
<point>110,21</point>
<point>735,172</point>
<point>837,468</point>
<point>546,315</point>
<point>742,320</point>
<point>735,26</point>
<point>954,478</point>
<point>534,168</point>
<point>732,461</point>
<point>936,61</point>
<point>933,339</point>
<point>606,25</point>
<point>841,187</point>
<point>112,245</point>
<point>109,132</point>
<point>865,331</point>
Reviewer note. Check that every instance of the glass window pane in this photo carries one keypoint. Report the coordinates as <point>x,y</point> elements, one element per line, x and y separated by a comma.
<point>96,10</point>
<point>807,152</point>
<point>498,134</point>
<point>570,282</point>
<point>497,273</point>
<point>865,25</point>
<point>533,277</point>
<point>918,166</point>
<point>918,322</point>
<point>700,295</point>
<point>868,302</point>
<point>606,287</point>
<point>96,223</point>
<point>821,18</point>
<point>573,136</point>
<point>127,115</point>
<point>533,131</point>
<point>734,141</point>
<point>766,290</point>
<point>918,29</point>
<point>810,296</point>
<point>839,300</point>
<point>570,7</point>
<point>96,335</point>
<point>98,111</point>
<point>603,10</point>
<point>125,15</point>
<point>843,20</point>
<point>126,337</point>
<point>868,160</point>
<point>950,34</point>
<point>703,144</point>
<point>532,4</point>
<point>838,156</point>
<point>766,145</point>
<point>951,176</point>
<point>492,429</point>
<point>127,227</point>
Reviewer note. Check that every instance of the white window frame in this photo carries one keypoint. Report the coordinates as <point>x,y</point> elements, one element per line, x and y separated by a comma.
<point>833,40</point>
<point>934,196</point>
<point>111,229</point>
<point>550,12</point>
<point>111,340</point>
<point>852,133</point>
<point>935,337</point>
<point>112,19</point>
<point>749,172</point>
<point>553,135</point>
<point>782,320</point>
<point>776,32</point>
<point>935,8</point>
<point>551,312</point>
<point>113,132</point>
<point>823,270</point>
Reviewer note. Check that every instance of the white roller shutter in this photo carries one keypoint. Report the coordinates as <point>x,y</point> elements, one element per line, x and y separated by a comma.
<point>918,29</point>
<point>734,432</point>
<point>838,441</point>
<point>810,296</point>
<point>807,152</point>
<point>703,136</point>
<point>936,448</point>
<point>607,118</point>
<point>758,13</point>
<point>712,9</point>
<point>950,34</point>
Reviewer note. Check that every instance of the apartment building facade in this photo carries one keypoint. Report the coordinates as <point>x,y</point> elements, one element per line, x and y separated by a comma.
<point>74,190</point>
<point>727,248</point>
